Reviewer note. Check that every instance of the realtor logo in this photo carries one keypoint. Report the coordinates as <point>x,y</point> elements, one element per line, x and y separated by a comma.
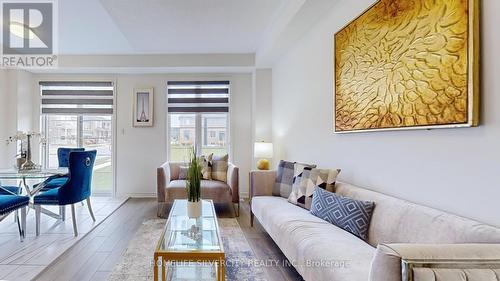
<point>28,30</point>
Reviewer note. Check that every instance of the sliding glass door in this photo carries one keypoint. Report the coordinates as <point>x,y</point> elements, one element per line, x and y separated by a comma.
<point>90,132</point>
<point>80,114</point>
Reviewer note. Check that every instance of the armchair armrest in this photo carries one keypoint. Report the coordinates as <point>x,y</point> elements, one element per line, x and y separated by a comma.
<point>233,175</point>
<point>409,262</point>
<point>163,178</point>
<point>262,183</point>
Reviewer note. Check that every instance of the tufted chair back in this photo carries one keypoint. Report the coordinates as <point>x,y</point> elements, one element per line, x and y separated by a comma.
<point>79,185</point>
<point>63,155</point>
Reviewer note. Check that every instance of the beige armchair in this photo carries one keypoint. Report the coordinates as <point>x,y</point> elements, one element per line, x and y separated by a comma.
<point>169,187</point>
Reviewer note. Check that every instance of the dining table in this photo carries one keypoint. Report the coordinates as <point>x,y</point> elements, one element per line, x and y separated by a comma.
<point>25,177</point>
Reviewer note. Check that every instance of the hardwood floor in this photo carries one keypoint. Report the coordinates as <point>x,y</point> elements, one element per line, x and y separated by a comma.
<point>94,257</point>
<point>24,260</point>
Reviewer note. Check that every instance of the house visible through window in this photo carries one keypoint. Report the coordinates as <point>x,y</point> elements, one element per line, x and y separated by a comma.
<point>80,114</point>
<point>198,117</point>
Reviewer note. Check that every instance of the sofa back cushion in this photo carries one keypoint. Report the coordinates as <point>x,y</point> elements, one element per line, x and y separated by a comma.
<point>399,221</point>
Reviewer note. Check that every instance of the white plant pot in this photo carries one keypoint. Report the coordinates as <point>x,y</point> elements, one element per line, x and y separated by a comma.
<point>194,209</point>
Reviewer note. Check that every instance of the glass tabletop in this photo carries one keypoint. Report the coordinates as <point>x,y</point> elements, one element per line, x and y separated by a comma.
<point>184,234</point>
<point>35,174</point>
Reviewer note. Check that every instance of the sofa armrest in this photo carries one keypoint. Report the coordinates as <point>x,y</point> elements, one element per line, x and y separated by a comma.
<point>396,262</point>
<point>233,180</point>
<point>162,180</point>
<point>262,183</point>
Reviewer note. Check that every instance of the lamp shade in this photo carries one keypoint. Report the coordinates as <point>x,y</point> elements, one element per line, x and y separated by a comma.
<point>263,150</point>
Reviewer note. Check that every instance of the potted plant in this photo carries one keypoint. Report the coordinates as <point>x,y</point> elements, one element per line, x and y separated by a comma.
<point>193,187</point>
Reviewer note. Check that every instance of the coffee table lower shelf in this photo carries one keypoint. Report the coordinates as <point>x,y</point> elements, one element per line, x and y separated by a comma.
<point>187,268</point>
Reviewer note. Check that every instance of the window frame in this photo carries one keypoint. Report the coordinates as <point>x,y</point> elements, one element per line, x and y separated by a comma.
<point>198,129</point>
<point>198,125</point>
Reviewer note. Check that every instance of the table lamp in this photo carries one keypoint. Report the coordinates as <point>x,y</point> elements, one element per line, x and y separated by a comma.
<point>264,151</point>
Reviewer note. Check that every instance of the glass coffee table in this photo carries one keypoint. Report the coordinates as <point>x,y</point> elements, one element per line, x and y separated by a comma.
<point>190,249</point>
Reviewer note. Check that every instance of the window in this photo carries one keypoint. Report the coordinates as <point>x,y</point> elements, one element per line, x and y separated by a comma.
<point>80,114</point>
<point>198,117</point>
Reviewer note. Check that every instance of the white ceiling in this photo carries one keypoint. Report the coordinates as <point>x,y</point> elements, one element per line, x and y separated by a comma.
<point>165,26</point>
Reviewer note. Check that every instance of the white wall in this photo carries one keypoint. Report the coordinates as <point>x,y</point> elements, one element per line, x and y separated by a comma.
<point>452,169</point>
<point>25,99</point>
<point>4,90</point>
<point>140,151</point>
<point>15,110</point>
<point>263,105</point>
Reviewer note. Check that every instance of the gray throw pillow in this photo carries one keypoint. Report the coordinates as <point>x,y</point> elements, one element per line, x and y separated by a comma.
<point>351,215</point>
<point>183,172</point>
<point>284,179</point>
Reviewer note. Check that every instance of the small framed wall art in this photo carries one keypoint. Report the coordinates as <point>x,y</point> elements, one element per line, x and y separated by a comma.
<point>143,107</point>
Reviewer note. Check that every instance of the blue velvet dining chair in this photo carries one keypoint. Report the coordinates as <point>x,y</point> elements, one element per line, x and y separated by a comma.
<point>76,189</point>
<point>63,160</point>
<point>55,182</point>
<point>10,203</point>
<point>10,190</point>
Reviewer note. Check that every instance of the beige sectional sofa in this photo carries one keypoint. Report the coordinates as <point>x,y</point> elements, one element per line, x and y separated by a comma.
<point>406,241</point>
<point>170,187</point>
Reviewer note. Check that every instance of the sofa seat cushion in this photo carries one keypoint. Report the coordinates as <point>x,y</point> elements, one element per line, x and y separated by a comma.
<point>218,191</point>
<point>308,241</point>
<point>9,203</point>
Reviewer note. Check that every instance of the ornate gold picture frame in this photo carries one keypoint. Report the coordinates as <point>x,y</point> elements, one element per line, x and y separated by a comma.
<point>408,64</point>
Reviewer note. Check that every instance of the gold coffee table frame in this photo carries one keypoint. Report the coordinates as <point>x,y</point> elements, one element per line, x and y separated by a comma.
<point>162,257</point>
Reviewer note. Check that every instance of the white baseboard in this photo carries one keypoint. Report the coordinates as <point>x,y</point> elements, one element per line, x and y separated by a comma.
<point>244,195</point>
<point>137,195</point>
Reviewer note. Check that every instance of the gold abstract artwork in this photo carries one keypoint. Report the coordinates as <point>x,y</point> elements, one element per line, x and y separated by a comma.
<point>408,64</point>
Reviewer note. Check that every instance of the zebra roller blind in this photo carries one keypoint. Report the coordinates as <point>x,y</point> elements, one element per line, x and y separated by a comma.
<point>77,98</point>
<point>198,96</point>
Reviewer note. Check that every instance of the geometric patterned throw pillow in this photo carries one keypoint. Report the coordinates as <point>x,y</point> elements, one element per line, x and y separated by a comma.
<point>351,215</point>
<point>284,179</point>
<point>318,178</point>
<point>301,172</point>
